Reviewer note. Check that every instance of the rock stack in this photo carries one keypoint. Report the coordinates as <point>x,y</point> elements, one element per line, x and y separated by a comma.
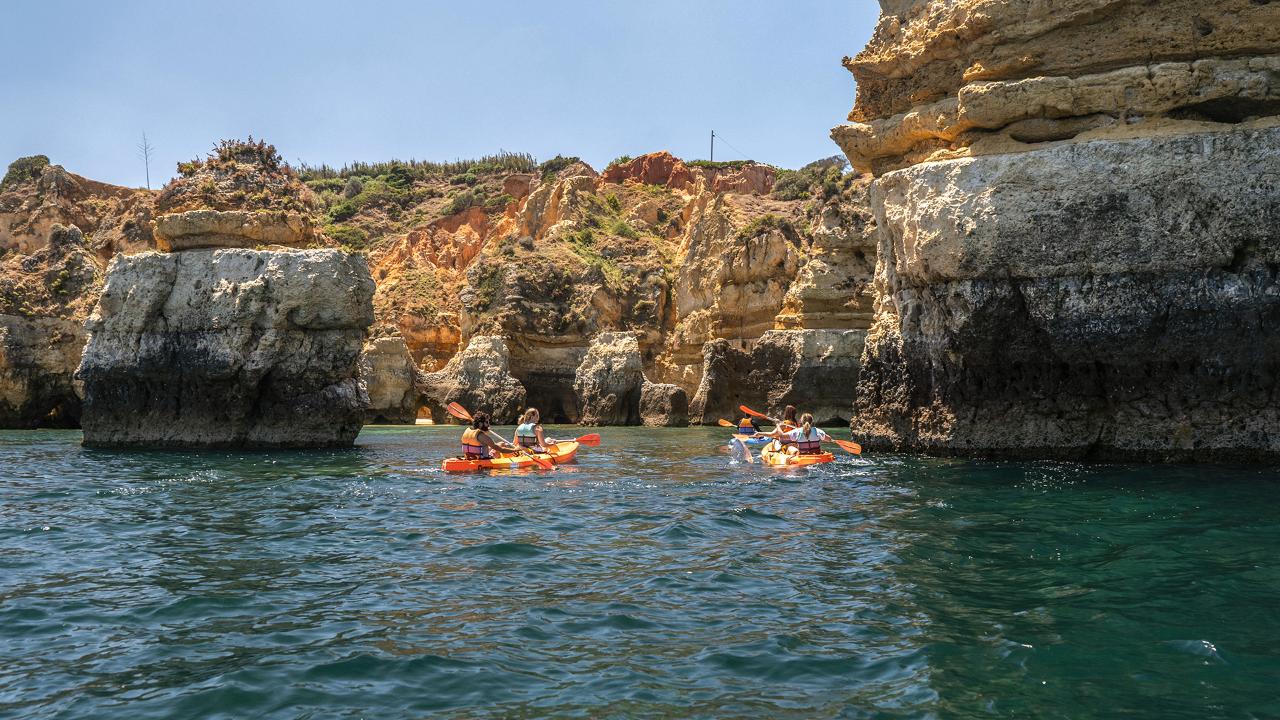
<point>228,347</point>
<point>1079,227</point>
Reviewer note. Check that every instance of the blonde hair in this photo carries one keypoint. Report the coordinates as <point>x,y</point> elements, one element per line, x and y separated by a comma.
<point>807,421</point>
<point>530,416</point>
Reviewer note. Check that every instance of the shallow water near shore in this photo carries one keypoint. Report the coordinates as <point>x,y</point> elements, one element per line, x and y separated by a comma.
<point>654,578</point>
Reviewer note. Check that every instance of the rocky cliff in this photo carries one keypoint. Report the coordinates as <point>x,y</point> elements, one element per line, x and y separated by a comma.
<point>228,348</point>
<point>1076,211</point>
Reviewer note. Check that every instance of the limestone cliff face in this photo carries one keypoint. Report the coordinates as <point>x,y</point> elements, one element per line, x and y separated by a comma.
<point>1085,265</point>
<point>37,196</point>
<point>228,348</point>
<point>391,381</point>
<point>478,378</point>
<point>941,77</point>
<point>44,297</point>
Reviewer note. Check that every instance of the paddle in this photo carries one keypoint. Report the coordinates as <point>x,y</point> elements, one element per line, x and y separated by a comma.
<point>461,413</point>
<point>592,440</point>
<point>850,447</point>
<point>726,423</point>
<point>775,421</point>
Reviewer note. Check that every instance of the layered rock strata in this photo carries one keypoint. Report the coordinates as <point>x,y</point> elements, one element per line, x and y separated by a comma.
<point>228,348</point>
<point>1085,266</point>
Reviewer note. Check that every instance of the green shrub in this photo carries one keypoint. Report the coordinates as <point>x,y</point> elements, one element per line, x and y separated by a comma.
<point>24,169</point>
<point>344,210</point>
<point>498,202</point>
<point>621,228</point>
<point>766,224</point>
<point>351,237</point>
<point>555,165</point>
<point>623,160</point>
<point>503,162</point>
<point>332,185</point>
<point>464,201</point>
<point>615,205</point>
<point>467,178</point>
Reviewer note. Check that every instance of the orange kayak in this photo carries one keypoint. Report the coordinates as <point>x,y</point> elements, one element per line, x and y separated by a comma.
<point>784,459</point>
<point>558,453</point>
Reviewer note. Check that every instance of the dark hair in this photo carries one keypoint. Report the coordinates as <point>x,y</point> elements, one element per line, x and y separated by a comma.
<point>480,421</point>
<point>789,413</point>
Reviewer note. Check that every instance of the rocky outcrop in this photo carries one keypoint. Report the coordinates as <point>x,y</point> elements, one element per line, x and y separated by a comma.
<point>391,381</point>
<point>815,370</point>
<point>610,381</point>
<point>1086,266</point>
<point>663,405</point>
<point>479,379</point>
<point>44,298</point>
<point>199,229</point>
<point>227,348</point>
<point>38,196</point>
<point>941,77</point>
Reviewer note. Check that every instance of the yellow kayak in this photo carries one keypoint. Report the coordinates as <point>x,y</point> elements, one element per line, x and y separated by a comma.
<point>785,459</point>
<point>559,453</point>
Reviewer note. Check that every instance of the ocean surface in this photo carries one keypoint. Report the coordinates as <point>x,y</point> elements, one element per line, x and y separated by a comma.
<point>655,578</point>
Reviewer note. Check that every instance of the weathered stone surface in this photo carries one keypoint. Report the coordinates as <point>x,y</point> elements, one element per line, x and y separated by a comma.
<point>38,357</point>
<point>815,370</point>
<point>945,79</point>
<point>44,298</point>
<point>391,381</point>
<point>663,405</point>
<point>117,219</point>
<point>1106,299</point>
<point>610,381</point>
<point>227,348</point>
<point>200,229</point>
<point>479,379</point>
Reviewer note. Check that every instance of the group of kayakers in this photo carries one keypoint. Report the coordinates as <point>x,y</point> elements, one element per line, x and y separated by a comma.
<point>793,440</point>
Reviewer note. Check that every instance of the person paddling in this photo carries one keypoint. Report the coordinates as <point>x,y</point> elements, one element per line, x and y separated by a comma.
<point>789,418</point>
<point>529,432</point>
<point>478,444</point>
<point>748,426</point>
<point>804,440</point>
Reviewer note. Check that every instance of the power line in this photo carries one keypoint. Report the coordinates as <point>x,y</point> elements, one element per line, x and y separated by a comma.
<point>714,136</point>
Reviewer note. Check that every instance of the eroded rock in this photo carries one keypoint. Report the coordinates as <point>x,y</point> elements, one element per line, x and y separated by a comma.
<point>391,380</point>
<point>227,348</point>
<point>478,378</point>
<point>200,229</point>
<point>610,381</point>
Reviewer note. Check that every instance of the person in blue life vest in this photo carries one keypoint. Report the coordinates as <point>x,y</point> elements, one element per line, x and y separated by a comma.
<point>479,444</point>
<point>529,432</point>
<point>803,440</point>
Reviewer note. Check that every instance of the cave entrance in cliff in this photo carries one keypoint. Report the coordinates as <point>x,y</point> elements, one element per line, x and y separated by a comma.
<point>554,397</point>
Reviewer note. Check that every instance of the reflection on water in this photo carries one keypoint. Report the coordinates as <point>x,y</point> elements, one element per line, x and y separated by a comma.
<point>654,578</point>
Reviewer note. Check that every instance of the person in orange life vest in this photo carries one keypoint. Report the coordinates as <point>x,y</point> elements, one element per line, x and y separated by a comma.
<point>478,444</point>
<point>748,426</point>
<point>804,440</point>
<point>529,432</point>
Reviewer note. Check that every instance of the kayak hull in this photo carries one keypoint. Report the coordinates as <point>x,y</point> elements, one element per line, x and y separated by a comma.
<point>753,442</point>
<point>782,459</point>
<point>558,454</point>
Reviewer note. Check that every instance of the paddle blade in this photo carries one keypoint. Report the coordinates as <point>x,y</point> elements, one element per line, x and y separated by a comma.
<point>753,413</point>
<point>592,440</point>
<point>847,446</point>
<point>458,411</point>
<point>543,463</point>
<point>725,423</point>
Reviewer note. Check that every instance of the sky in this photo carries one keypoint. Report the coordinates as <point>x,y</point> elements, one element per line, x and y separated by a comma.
<point>338,81</point>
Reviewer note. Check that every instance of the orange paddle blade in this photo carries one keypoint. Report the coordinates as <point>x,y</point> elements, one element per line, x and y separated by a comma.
<point>847,446</point>
<point>753,413</point>
<point>592,440</point>
<point>726,423</point>
<point>458,411</point>
<point>543,463</point>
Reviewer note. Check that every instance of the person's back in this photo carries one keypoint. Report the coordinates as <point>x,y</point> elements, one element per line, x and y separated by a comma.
<point>807,439</point>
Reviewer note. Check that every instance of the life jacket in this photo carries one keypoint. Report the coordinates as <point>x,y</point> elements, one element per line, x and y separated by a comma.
<point>527,435</point>
<point>809,446</point>
<point>745,427</point>
<point>472,448</point>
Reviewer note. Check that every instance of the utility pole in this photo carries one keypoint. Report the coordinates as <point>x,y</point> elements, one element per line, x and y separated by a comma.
<point>145,149</point>
<point>713,146</point>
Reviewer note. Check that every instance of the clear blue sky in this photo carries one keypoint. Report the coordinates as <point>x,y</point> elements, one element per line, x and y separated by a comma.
<point>330,82</point>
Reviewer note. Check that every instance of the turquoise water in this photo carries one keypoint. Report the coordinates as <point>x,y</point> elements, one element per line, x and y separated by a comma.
<point>654,579</point>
